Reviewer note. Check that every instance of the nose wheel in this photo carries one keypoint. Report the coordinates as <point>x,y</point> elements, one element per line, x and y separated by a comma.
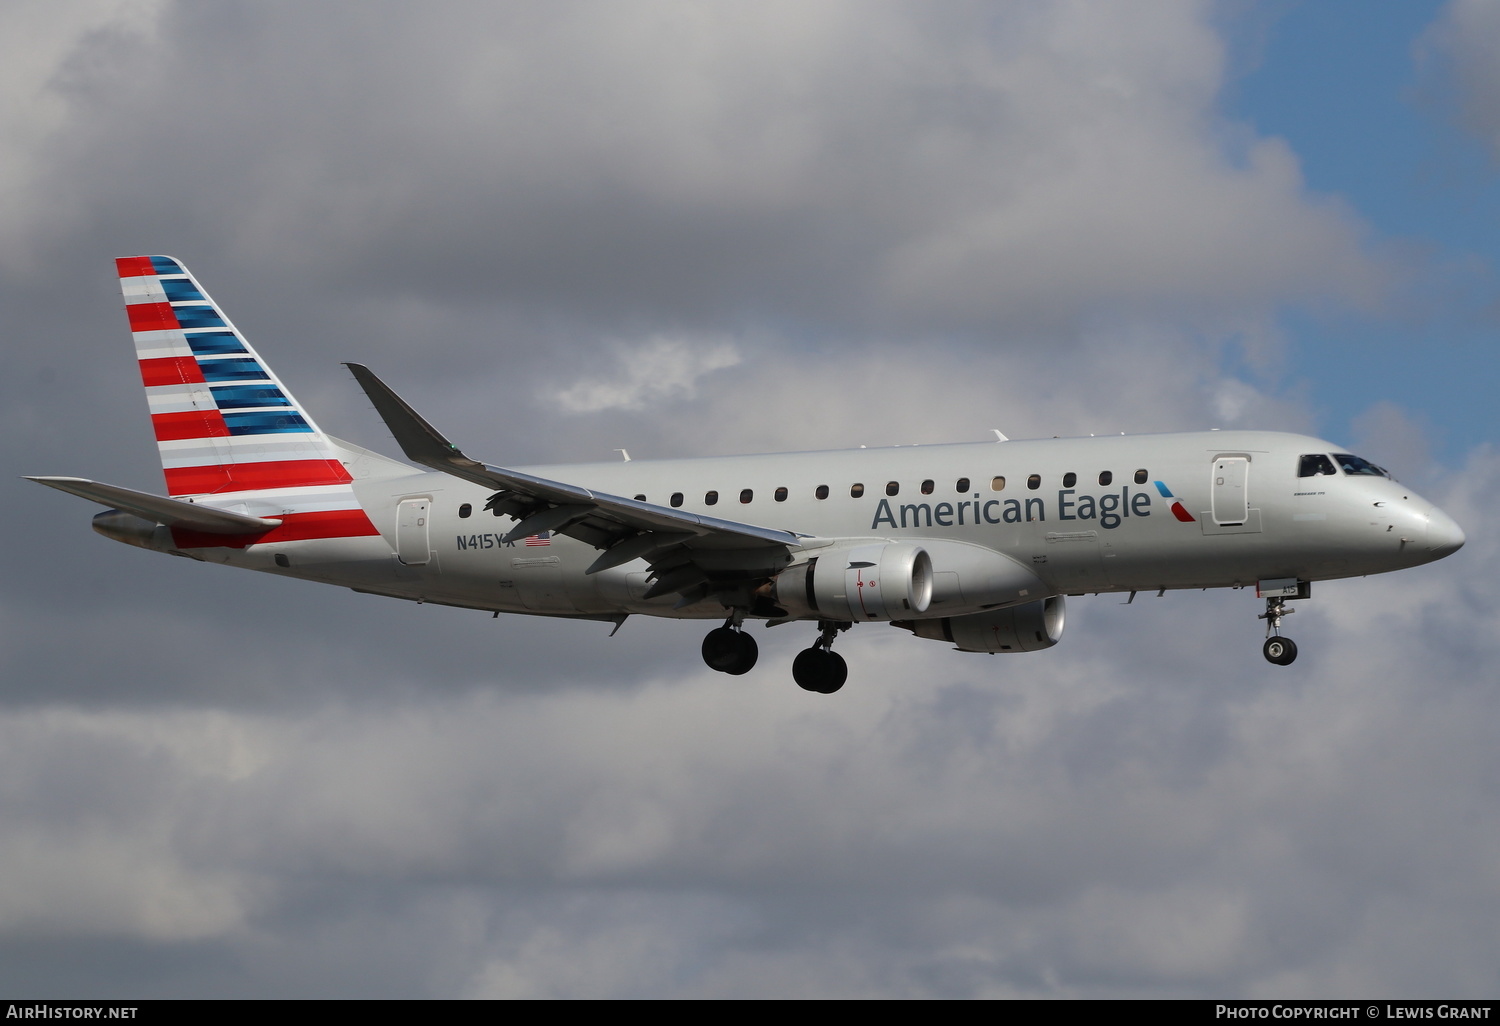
<point>820,668</point>
<point>1278,650</point>
<point>730,650</point>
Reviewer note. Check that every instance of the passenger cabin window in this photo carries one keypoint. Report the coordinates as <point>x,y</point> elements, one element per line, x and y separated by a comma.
<point>1034,482</point>
<point>927,487</point>
<point>710,498</point>
<point>997,484</point>
<point>856,490</point>
<point>1355,465</point>
<point>465,510</point>
<point>640,498</point>
<point>1105,477</point>
<point>1070,479</point>
<point>746,495</point>
<point>892,488</point>
<point>781,495</point>
<point>676,499</point>
<point>962,486</point>
<point>822,492</point>
<point>1140,477</point>
<point>1315,465</point>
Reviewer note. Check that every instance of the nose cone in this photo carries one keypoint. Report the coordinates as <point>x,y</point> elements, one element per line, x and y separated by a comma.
<point>1444,537</point>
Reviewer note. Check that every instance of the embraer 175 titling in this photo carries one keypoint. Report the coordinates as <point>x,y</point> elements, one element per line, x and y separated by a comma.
<point>974,544</point>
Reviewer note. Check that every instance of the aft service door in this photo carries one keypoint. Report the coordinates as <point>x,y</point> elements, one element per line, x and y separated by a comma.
<point>412,516</point>
<point>1231,502</point>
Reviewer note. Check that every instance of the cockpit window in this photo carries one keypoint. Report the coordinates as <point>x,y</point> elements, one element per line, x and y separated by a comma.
<point>1315,465</point>
<point>1356,466</point>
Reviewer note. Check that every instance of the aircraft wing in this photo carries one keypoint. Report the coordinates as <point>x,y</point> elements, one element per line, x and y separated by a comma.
<point>159,508</point>
<point>684,548</point>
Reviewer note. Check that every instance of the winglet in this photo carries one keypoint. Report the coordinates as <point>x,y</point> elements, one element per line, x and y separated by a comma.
<point>421,442</point>
<point>535,501</point>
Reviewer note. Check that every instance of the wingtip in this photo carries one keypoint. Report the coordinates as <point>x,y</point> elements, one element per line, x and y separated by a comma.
<point>422,443</point>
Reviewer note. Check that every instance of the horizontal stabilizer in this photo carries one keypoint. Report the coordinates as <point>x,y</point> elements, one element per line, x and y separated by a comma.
<point>159,509</point>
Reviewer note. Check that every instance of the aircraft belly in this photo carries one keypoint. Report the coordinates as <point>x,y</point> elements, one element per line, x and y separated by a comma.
<point>1193,561</point>
<point>547,576</point>
<point>621,587</point>
<point>328,560</point>
<point>539,583</point>
<point>1071,561</point>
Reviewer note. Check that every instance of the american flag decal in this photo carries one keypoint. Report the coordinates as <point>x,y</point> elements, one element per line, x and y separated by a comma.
<point>545,538</point>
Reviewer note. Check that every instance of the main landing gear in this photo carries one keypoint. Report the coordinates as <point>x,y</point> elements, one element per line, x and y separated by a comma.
<point>820,668</point>
<point>729,649</point>
<point>1278,650</point>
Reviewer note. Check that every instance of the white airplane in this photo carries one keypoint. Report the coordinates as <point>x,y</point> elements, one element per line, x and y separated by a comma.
<point>973,544</point>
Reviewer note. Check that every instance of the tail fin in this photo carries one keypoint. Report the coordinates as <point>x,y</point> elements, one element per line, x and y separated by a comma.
<point>224,422</point>
<point>225,425</point>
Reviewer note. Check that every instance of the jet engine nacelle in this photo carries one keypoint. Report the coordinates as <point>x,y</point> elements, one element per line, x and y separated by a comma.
<point>971,578</point>
<point>1030,627</point>
<point>860,582</point>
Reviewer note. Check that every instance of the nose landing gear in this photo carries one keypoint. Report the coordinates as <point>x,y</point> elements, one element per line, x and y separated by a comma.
<point>1278,650</point>
<point>820,668</point>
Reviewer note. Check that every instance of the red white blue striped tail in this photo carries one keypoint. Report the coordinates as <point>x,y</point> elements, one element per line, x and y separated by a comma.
<point>225,425</point>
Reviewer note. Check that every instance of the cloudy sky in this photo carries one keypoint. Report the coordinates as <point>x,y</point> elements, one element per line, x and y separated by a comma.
<point>694,228</point>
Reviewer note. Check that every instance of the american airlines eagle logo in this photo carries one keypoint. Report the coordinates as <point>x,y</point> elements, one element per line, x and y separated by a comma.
<point>1178,510</point>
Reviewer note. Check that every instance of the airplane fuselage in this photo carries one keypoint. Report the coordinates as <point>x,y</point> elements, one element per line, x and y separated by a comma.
<point>1083,514</point>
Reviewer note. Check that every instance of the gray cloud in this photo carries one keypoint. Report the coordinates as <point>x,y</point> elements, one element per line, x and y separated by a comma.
<point>1462,49</point>
<point>907,223</point>
<point>848,164</point>
<point>1127,814</point>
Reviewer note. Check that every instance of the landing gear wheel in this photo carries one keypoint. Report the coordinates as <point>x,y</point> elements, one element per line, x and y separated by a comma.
<point>818,669</point>
<point>730,651</point>
<point>1280,651</point>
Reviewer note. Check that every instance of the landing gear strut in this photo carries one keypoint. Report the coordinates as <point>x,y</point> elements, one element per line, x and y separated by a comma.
<point>729,649</point>
<point>820,668</point>
<point>1277,649</point>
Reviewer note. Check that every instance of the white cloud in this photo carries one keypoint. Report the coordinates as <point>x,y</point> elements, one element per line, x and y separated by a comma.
<point>976,167</point>
<point>661,368</point>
